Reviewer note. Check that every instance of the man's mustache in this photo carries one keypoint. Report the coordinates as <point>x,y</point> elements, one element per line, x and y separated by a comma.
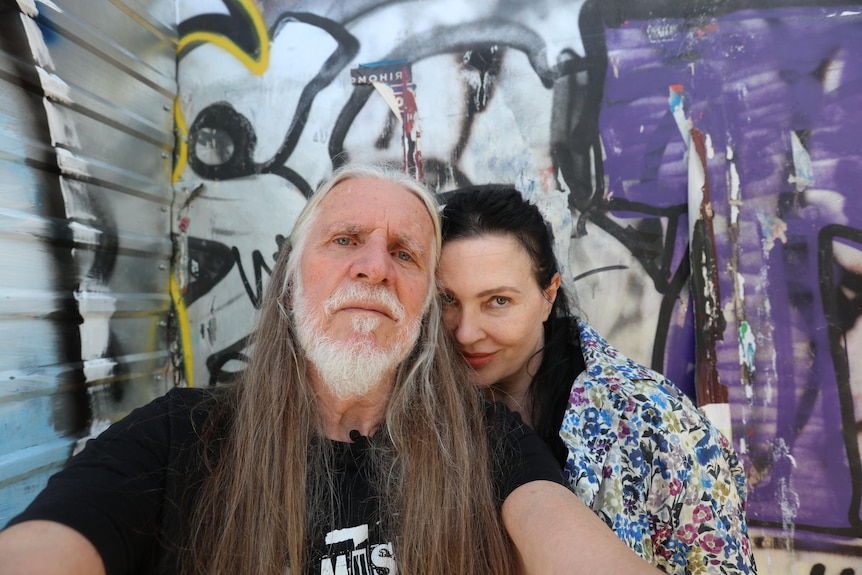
<point>376,298</point>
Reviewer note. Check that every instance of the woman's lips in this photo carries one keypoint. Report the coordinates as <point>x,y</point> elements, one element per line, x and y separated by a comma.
<point>478,359</point>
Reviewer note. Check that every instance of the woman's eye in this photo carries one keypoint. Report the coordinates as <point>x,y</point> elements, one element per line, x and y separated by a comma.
<point>500,301</point>
<point>447,299</point>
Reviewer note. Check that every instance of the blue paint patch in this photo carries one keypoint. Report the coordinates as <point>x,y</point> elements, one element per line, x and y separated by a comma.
<point>49,35</point>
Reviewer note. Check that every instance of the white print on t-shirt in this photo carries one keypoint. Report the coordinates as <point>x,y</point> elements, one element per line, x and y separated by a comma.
<point>350,553</point>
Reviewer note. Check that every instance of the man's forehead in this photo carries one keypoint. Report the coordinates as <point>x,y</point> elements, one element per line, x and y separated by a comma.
<point>360,205</point>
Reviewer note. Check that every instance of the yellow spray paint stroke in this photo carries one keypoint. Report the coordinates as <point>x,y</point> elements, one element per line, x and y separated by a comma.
<point>185,331</point>
<point>176,296</point>
<point>182,156</point>
<point>257,65</point>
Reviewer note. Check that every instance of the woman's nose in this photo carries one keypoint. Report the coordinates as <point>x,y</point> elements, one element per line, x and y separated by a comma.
<point>469,329</point>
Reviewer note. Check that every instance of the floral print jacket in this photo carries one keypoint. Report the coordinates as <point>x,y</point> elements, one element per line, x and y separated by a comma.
<point>653,467</point>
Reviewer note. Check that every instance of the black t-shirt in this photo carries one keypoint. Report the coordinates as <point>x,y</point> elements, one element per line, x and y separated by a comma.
<point>126,491</point>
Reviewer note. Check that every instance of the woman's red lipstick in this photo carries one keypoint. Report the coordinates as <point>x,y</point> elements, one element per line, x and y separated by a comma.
<point>478,359</point>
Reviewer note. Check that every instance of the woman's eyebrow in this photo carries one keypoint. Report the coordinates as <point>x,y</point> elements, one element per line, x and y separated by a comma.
<point>498,289</point>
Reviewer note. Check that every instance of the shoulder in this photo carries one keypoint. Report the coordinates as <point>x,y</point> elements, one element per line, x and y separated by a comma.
<point>619,404</point>
<point>117,491</point>
<point>186,399</point>
<point>605,361</point>
<point>162,433</point>
<point>195,404</point>
<point>611,376</point>
<point>648,407</point>
<point>180,409</point>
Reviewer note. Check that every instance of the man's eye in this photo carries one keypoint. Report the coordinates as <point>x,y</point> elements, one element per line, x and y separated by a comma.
<point>404,256</point>
<point>342,241</point>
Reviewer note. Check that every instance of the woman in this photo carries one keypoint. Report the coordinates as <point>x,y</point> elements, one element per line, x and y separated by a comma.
<point>632,446</point>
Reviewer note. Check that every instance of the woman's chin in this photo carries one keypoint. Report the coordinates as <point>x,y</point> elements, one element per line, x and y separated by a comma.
<point>480,381</point>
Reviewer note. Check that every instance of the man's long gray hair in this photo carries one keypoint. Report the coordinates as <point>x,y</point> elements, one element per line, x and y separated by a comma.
<point>266,496</point>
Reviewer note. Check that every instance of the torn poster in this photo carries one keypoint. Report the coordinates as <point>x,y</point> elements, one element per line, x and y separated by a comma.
<point>393,80</point>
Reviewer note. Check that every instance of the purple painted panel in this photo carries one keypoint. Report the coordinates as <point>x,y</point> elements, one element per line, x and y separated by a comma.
<point>777,94</point>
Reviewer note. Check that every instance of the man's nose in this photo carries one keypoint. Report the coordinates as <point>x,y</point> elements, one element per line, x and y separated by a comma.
<point>373,263</point>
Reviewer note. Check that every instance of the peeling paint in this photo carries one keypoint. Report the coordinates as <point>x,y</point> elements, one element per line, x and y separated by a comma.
<point>63,132</point>
<point>70,164</point>
<point>769,395</point>
<point>773,228</point>
<point>96,310</point>
<point>833,75</point>
<point>676,102</point>
<point>739,291</point>
<point>785,494</point>
<point>733,186</point>
<point>747,347</point>
<point>40,51</point>
<point>804,175</point>
<point>79,205</point>
<point>28,7</point>
<point>99,368</point>
<point>54,87</point>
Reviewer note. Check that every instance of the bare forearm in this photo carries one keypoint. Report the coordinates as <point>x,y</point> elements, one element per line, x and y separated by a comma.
<point>555,533</point>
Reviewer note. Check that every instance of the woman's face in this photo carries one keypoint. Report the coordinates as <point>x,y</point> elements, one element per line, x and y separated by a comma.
<point>494,308</point>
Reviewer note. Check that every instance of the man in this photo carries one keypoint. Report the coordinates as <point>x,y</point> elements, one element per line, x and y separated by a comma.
<point>352,445</point>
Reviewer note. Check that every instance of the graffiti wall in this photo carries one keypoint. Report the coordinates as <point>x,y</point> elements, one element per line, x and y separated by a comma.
<point>699,162</point>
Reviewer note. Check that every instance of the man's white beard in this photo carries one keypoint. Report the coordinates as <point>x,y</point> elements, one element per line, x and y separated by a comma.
<point>351,368</point>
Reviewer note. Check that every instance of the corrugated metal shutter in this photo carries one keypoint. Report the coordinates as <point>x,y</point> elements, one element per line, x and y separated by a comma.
<point>86,100</point>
